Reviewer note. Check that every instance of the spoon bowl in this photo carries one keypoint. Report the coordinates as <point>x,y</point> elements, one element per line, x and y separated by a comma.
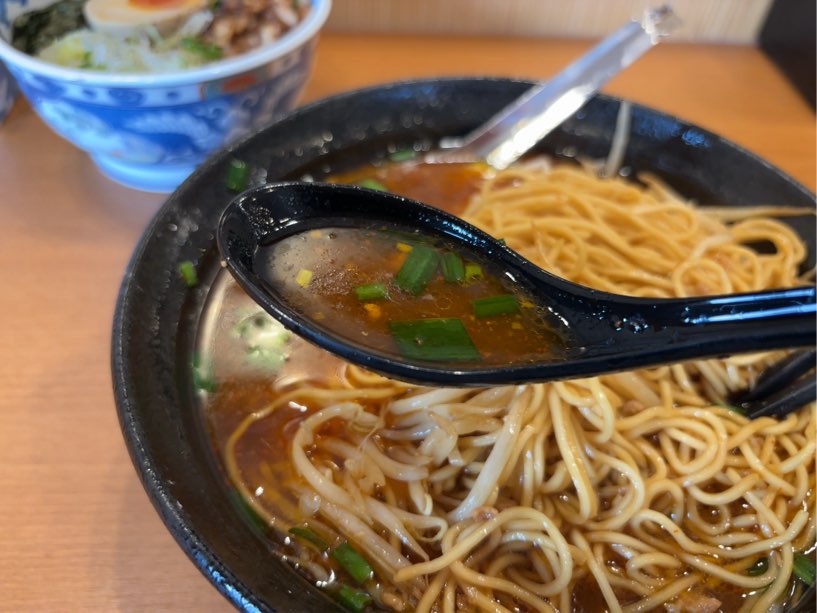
<point>599,332</point>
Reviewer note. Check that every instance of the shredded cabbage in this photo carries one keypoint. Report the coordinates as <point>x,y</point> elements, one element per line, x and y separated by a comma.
<point>140,51</point>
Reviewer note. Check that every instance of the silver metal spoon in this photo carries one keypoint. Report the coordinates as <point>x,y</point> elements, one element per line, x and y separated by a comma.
<point>514,130</point>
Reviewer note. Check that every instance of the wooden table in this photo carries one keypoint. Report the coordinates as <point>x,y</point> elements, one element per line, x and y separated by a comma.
<point>77,531</point>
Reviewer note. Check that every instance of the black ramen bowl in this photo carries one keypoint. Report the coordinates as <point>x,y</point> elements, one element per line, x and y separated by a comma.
<point>157,315</point>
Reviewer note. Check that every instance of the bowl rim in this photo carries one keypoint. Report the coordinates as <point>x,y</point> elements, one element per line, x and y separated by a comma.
<point>301,34</point>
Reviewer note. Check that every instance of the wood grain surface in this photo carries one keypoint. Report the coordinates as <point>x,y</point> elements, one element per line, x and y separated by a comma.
<point>77,532</point>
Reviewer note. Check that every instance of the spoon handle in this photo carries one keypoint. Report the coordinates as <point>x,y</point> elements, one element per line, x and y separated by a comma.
<point>718,325</point>
<point>518,127</point>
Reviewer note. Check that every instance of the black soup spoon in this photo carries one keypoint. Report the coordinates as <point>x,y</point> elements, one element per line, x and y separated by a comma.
<point>273,237</point>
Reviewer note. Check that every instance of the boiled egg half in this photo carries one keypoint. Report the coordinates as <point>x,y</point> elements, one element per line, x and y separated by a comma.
<point>125,16</point>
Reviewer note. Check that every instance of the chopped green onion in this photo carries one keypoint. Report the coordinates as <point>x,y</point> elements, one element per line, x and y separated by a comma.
<point>352,599</point>
<point>417,270</point>
<point>269,358</point>
<point>238,175</point>
<point>758,568</point>
<point>370,291</point>
<point>472,271</point>
<point>372,184</point>
<point>310,536</point>
<point>188,273</point>
<point>246,509</point>
<point>203,378</point>
<point>804,568</point>
<point>434,339</point>
<point>504,304</point>
<point>734,408</point>
<point>403,155</point>
<point>452,266</point>
<point>207,51</point>
<point>352,562</point>
<point>502,242</point>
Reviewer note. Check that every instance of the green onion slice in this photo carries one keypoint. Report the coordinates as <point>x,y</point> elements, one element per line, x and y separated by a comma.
<point>251,514</point>
<point>352,599</point>
<point>207,51</point>
<point>417,270</point>
<point>472,271</point>
<point>758,568</point>
<point>504,304</point>
<point>439,340</point>
<point>203,377</point>
<point>310,536</point>
<point>238,175</point>
<point>371,291</point>
<point>452,267</point>
<point>188,273</point>
<point>372,184</point>
<point>804,568</point>
<point>733,408</point>
<point>403,155</point>
<point>352,562</point>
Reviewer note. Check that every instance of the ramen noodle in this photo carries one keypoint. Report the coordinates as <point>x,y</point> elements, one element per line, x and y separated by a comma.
<point>625,492</point>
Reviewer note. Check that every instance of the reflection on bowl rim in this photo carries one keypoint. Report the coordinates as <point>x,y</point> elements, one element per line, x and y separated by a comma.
<point>294,38</point>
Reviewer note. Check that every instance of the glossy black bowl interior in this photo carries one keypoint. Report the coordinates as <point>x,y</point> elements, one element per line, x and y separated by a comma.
<point>157,315</point>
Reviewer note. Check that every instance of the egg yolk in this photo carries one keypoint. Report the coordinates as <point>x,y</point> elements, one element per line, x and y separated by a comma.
<point>155,4</point>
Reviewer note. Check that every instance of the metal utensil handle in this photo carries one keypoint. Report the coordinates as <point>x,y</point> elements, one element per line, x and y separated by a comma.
<point>519,126</point>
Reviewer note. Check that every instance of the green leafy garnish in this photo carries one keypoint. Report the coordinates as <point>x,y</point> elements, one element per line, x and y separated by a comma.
<point>310,536</point>
<point>265,339</point>
<point>270,358</point>
<point>403,155</point>
<point>352,562</point>
<point>804,568</point>
<point>417,270</point>
<point>251,514</point>
<point>353,599</point>
<point>472,271</point>
<point>442,340</point>
<point>733,408</point>
<point>238,175</point>
<point>206,51</point>
<point>371,291</point>
<point>452,267</point>
<point>372,184</point>
<point>188,273</point>
<point>504,304</point>
<point>203,377</point>
<point>758,568</point>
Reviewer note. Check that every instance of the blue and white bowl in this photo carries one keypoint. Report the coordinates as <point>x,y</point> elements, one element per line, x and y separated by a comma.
<point>8,92</point>
<point>150,131</point>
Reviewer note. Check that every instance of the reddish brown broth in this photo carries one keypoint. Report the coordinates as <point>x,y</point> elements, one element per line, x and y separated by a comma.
<point>446,186</point>
<point>265,445</point>
<point>339,260</point>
